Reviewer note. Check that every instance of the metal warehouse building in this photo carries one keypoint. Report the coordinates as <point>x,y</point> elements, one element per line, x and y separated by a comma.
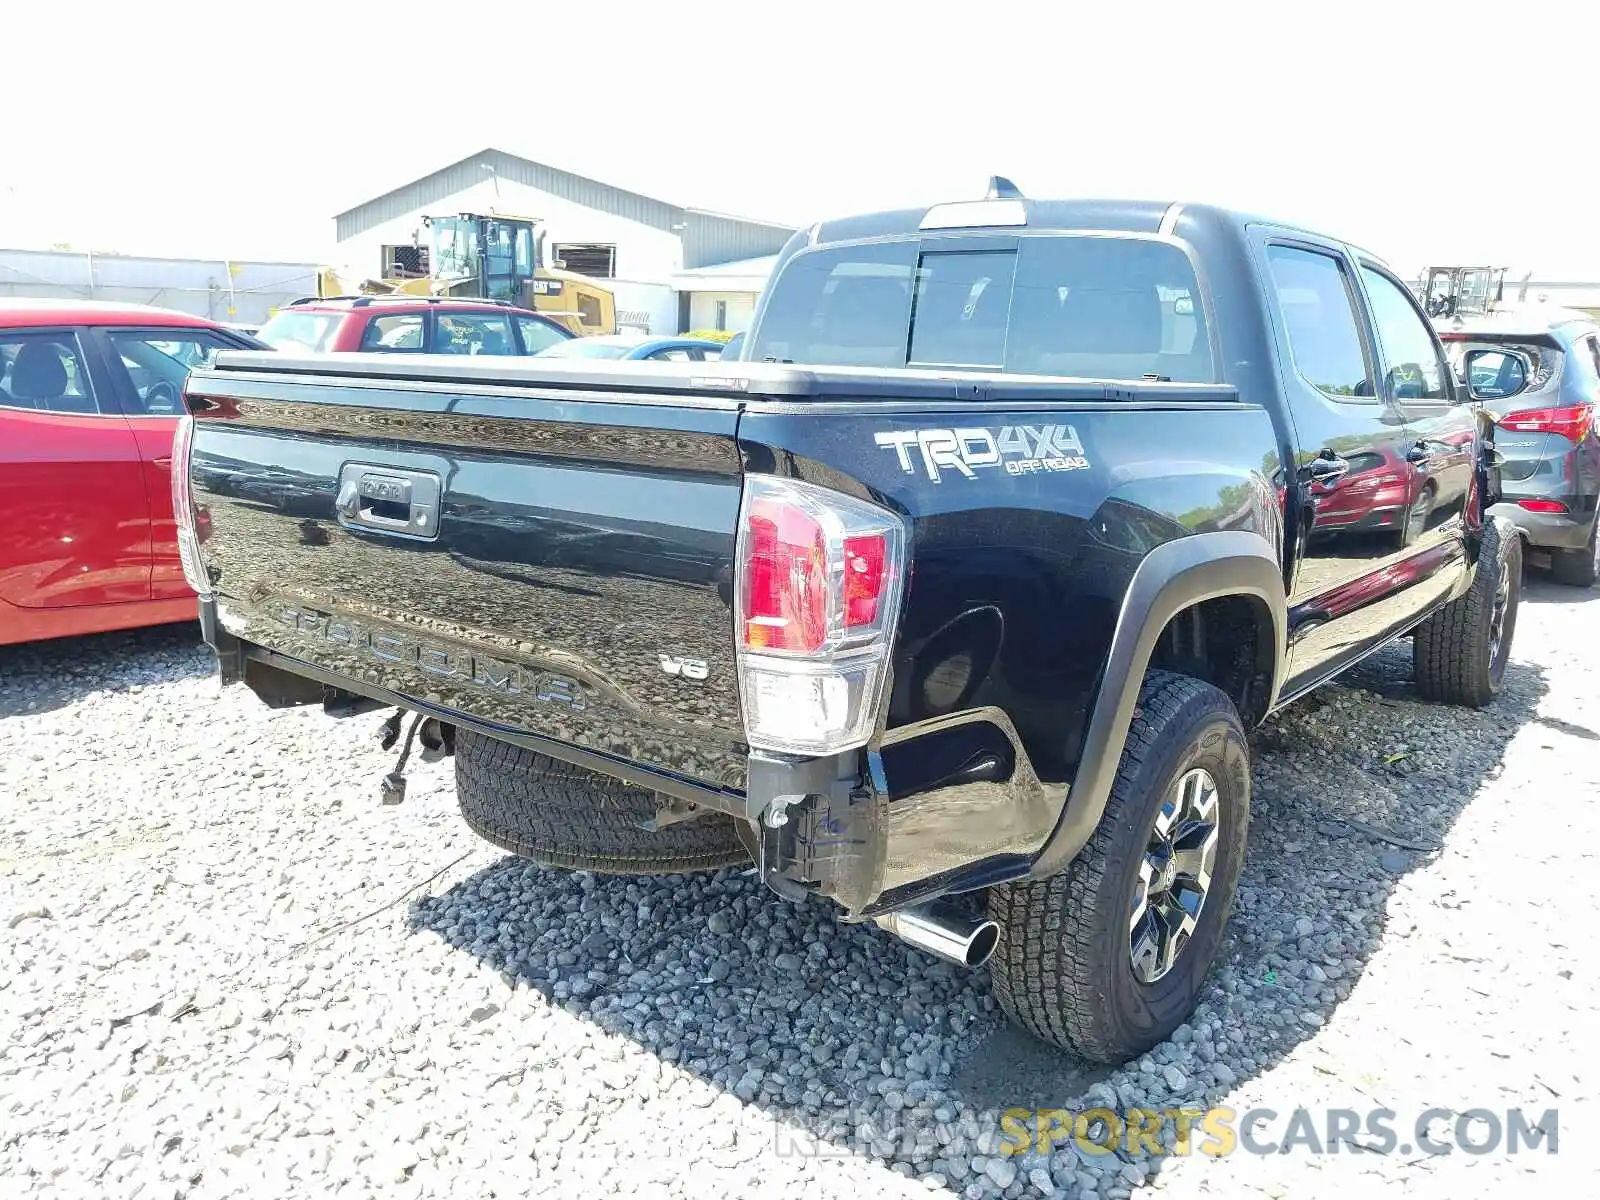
<point>654,254</point>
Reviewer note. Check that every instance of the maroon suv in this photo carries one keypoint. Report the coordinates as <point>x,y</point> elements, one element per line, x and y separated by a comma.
<point>410,324</point>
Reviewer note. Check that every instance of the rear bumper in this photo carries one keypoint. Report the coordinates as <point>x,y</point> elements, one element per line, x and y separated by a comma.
<point>281,680</point>
<point>1548,531</point>
<point>946,805</point>
<point>1359,520</point>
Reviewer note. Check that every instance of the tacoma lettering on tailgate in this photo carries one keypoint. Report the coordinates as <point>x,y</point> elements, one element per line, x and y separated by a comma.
<point>432,658</point>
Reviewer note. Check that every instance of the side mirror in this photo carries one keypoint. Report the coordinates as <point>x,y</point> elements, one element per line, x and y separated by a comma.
<point>1495,374</point>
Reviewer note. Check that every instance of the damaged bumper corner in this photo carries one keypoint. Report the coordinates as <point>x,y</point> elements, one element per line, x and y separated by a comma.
<point>941,806</point>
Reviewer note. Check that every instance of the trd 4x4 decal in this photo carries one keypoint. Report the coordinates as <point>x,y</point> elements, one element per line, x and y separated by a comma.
<point>1020,449</point>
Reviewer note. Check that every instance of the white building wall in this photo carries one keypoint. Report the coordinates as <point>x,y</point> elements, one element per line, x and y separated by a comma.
<point>645,307</point>
<point>703,310</point>
<point>644,253</point>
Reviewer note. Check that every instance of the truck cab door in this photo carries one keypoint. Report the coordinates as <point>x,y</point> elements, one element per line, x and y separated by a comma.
<point>1351,483</point>
<point>1443,451</point>
<point>76,528</point>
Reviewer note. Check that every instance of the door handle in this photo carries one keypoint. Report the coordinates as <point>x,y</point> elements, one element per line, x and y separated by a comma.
<point>164,462</point>
<point>1327,467</point>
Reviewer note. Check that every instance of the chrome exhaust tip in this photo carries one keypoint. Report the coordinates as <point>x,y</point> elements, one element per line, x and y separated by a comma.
<point>941,929</point>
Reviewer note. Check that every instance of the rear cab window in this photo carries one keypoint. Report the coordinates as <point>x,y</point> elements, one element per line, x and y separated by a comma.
<point>1072,305</point>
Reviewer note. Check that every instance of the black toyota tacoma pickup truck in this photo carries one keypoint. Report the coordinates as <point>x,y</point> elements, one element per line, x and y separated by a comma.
<point>950,602</point>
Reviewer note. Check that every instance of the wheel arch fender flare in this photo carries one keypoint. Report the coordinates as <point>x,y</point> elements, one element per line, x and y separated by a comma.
<point>1173,577</point>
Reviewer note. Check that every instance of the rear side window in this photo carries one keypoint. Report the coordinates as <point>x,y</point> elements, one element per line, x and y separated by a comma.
<point>44,371</point>
<point>296,330</point>
<point>473,333</point>
<point>1090,307</point>
<point>398,331</point>
<point>537,334</point>
<point>1314,296</point>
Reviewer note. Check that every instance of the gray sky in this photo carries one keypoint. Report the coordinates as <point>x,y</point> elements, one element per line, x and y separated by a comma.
<point>1428,132</point>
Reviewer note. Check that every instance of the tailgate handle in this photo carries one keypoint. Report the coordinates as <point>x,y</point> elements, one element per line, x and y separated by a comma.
<point>388,500</point>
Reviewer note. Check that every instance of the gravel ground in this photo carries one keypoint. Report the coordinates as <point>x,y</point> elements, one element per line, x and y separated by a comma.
<point>226,969</point>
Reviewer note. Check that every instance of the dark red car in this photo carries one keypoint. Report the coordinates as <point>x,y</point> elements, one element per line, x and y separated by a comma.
<point>89,398</point>
<point>1378,492</point>
<point>1384,492</point>
<point>410,325</point>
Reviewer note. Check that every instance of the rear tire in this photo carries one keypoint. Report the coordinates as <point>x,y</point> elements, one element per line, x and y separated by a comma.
<point>1065,968</point>
<point>560,815</point>
<point>1459,654</point>
<point>1578,568</point>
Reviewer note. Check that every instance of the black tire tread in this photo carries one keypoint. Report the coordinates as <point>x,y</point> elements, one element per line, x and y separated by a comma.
<point>1450,651</point>
<point>1049,967</point>
<point>560,815</point>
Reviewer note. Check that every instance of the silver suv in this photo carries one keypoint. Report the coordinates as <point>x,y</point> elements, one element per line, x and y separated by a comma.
<point>1550,476</point>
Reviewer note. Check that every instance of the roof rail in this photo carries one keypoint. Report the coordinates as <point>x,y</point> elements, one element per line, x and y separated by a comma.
<point>401,297</point>
<point>364,299</point>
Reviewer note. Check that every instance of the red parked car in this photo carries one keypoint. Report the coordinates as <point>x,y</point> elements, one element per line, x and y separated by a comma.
<point>409,325</point>
<point>89,399</point>
<point>1383,491</point>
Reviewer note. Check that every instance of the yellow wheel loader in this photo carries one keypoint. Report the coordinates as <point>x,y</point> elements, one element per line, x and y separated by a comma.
<point>492,257</point>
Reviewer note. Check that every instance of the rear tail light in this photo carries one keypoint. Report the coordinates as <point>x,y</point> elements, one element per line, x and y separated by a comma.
<point>183,512</point>
<point>817,593</point>
<point>1542,506</point>
<point>1571,422</point>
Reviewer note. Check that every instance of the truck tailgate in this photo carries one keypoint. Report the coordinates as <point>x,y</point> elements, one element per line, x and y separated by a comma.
<point>553,561</point>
